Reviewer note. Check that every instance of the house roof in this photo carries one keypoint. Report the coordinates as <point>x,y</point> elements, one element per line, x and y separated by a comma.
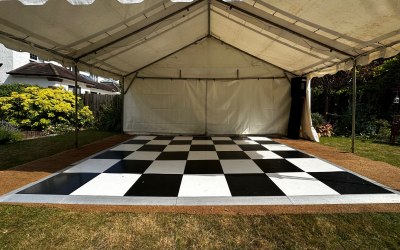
<point>119,38</point>
<point>51,70</point>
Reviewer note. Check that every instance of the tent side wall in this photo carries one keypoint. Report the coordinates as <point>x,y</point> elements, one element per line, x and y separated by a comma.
<point>208,88</point>
<point>251,106</point>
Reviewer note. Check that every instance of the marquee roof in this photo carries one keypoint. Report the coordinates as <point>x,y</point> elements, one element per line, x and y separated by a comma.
<point>119,37</point>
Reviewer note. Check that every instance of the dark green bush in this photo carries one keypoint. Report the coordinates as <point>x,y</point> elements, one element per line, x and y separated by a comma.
<point>7,89</point>
<point>9,133</point>
<point>109,116</point>
<point>317,119</point>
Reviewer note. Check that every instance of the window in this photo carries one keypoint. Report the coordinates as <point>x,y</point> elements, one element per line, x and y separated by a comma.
<point>72,88</point>
<point>33,57</point>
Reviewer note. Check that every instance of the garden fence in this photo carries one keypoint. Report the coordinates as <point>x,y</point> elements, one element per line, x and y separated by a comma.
<point>95,101</point>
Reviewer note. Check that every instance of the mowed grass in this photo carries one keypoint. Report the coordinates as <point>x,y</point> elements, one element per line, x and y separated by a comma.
<point>14,154</point>
<point>52,228</point>
<point>365,148</point>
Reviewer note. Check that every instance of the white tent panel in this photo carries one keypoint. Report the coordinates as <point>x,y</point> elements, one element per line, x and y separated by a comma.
<point>264,48</point>
<point>165,106</point>
<point>211,58</point>
<point>248,106</point>
<point>164,44</point>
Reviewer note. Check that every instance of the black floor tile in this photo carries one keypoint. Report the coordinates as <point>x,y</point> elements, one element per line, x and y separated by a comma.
<point>113,155</point>
<point>239,138</point>
<point>276,166</point>
<point>292,154</point>
<point>252,147</point>
<point>173,156</point>
<point>252,185</point>
<point>61,184</point>
<point>179,142</point>
<point>201,138</point>
<point>224,142</point>
<point>347,183</point>
<point>226,155</point>
<point>129,166</point>
<point>202,148</point>
<point>154,148</point>
<point>137,142</point>
<point>267,142</point>
<point>203,167</point>
<point>166,185</point>
<point>164,137</point>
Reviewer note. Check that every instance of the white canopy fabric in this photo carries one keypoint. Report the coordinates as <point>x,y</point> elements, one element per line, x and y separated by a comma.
<point>302,37</point>
<point>119,38</point>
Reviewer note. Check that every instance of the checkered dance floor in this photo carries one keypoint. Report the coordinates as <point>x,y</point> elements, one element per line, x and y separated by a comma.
<point>168,170</point>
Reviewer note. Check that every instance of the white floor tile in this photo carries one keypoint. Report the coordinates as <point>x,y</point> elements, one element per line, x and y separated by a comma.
<point>259,138</point>
<point>177,148</point>
<point>277,147</point>
<point>108,185</point>
<point>227,148</point>
<point>313,165</point>
<point>183,138</point>
<point>203,155</point>
<point>127,147</point>
<point>259,154</point>
<point>204,185</point>
<point>144,137</point>
<point>93,166</point>
<point>240,166</point>
<point>300,183</point>
<point>202,142</point>
<point>220,138</point>
<point>166,167</point>
<point>159,142</point>
<point>244,142</point>
<point>143,155</point>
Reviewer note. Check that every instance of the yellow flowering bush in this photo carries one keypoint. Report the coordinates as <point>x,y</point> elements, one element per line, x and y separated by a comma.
<point>36,108</point>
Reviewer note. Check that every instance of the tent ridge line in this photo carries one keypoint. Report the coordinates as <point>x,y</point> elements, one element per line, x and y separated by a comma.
<point>168,55</point>
<point>141,29</point>
<point>284,28</point>
<point>253,56</point>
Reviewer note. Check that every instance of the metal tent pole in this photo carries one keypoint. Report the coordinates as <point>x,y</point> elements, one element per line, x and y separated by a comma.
<point>353,118</point>
<point>76,104</point>
<point>122,103</point>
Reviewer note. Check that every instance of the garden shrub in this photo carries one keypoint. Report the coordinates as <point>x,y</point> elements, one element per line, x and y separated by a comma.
<point>40,108</point>
<point>109,117</point>
<point>9,133</point>
<point>317,119</point>
<point>7,89</point>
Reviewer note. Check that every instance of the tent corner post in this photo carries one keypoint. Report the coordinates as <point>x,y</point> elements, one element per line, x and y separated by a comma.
<point>122,103</point>
<point>353,110</point>
<point>76,102</point>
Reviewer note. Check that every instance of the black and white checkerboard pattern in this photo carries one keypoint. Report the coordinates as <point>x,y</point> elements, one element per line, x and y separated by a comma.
<point>186,166</point>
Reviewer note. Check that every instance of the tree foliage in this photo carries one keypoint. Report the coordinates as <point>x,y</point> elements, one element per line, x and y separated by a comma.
<point>376,89</point>
<point>36,108</point>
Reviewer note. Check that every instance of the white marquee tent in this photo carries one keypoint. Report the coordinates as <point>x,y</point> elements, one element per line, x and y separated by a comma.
<point>205,66</point>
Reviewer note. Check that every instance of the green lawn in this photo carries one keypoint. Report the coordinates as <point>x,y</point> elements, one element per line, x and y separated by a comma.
<point>365,148</point>
<point>51,228</point>
<point>21,152</point>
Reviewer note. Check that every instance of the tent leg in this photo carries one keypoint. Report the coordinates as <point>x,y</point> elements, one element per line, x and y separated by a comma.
<point>122,103</point>
<point>353,118</point>
<point>76,104</point>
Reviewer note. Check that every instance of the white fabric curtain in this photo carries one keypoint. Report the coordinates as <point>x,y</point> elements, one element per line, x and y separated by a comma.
<point>307,129</point>
<point>212,107</point>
